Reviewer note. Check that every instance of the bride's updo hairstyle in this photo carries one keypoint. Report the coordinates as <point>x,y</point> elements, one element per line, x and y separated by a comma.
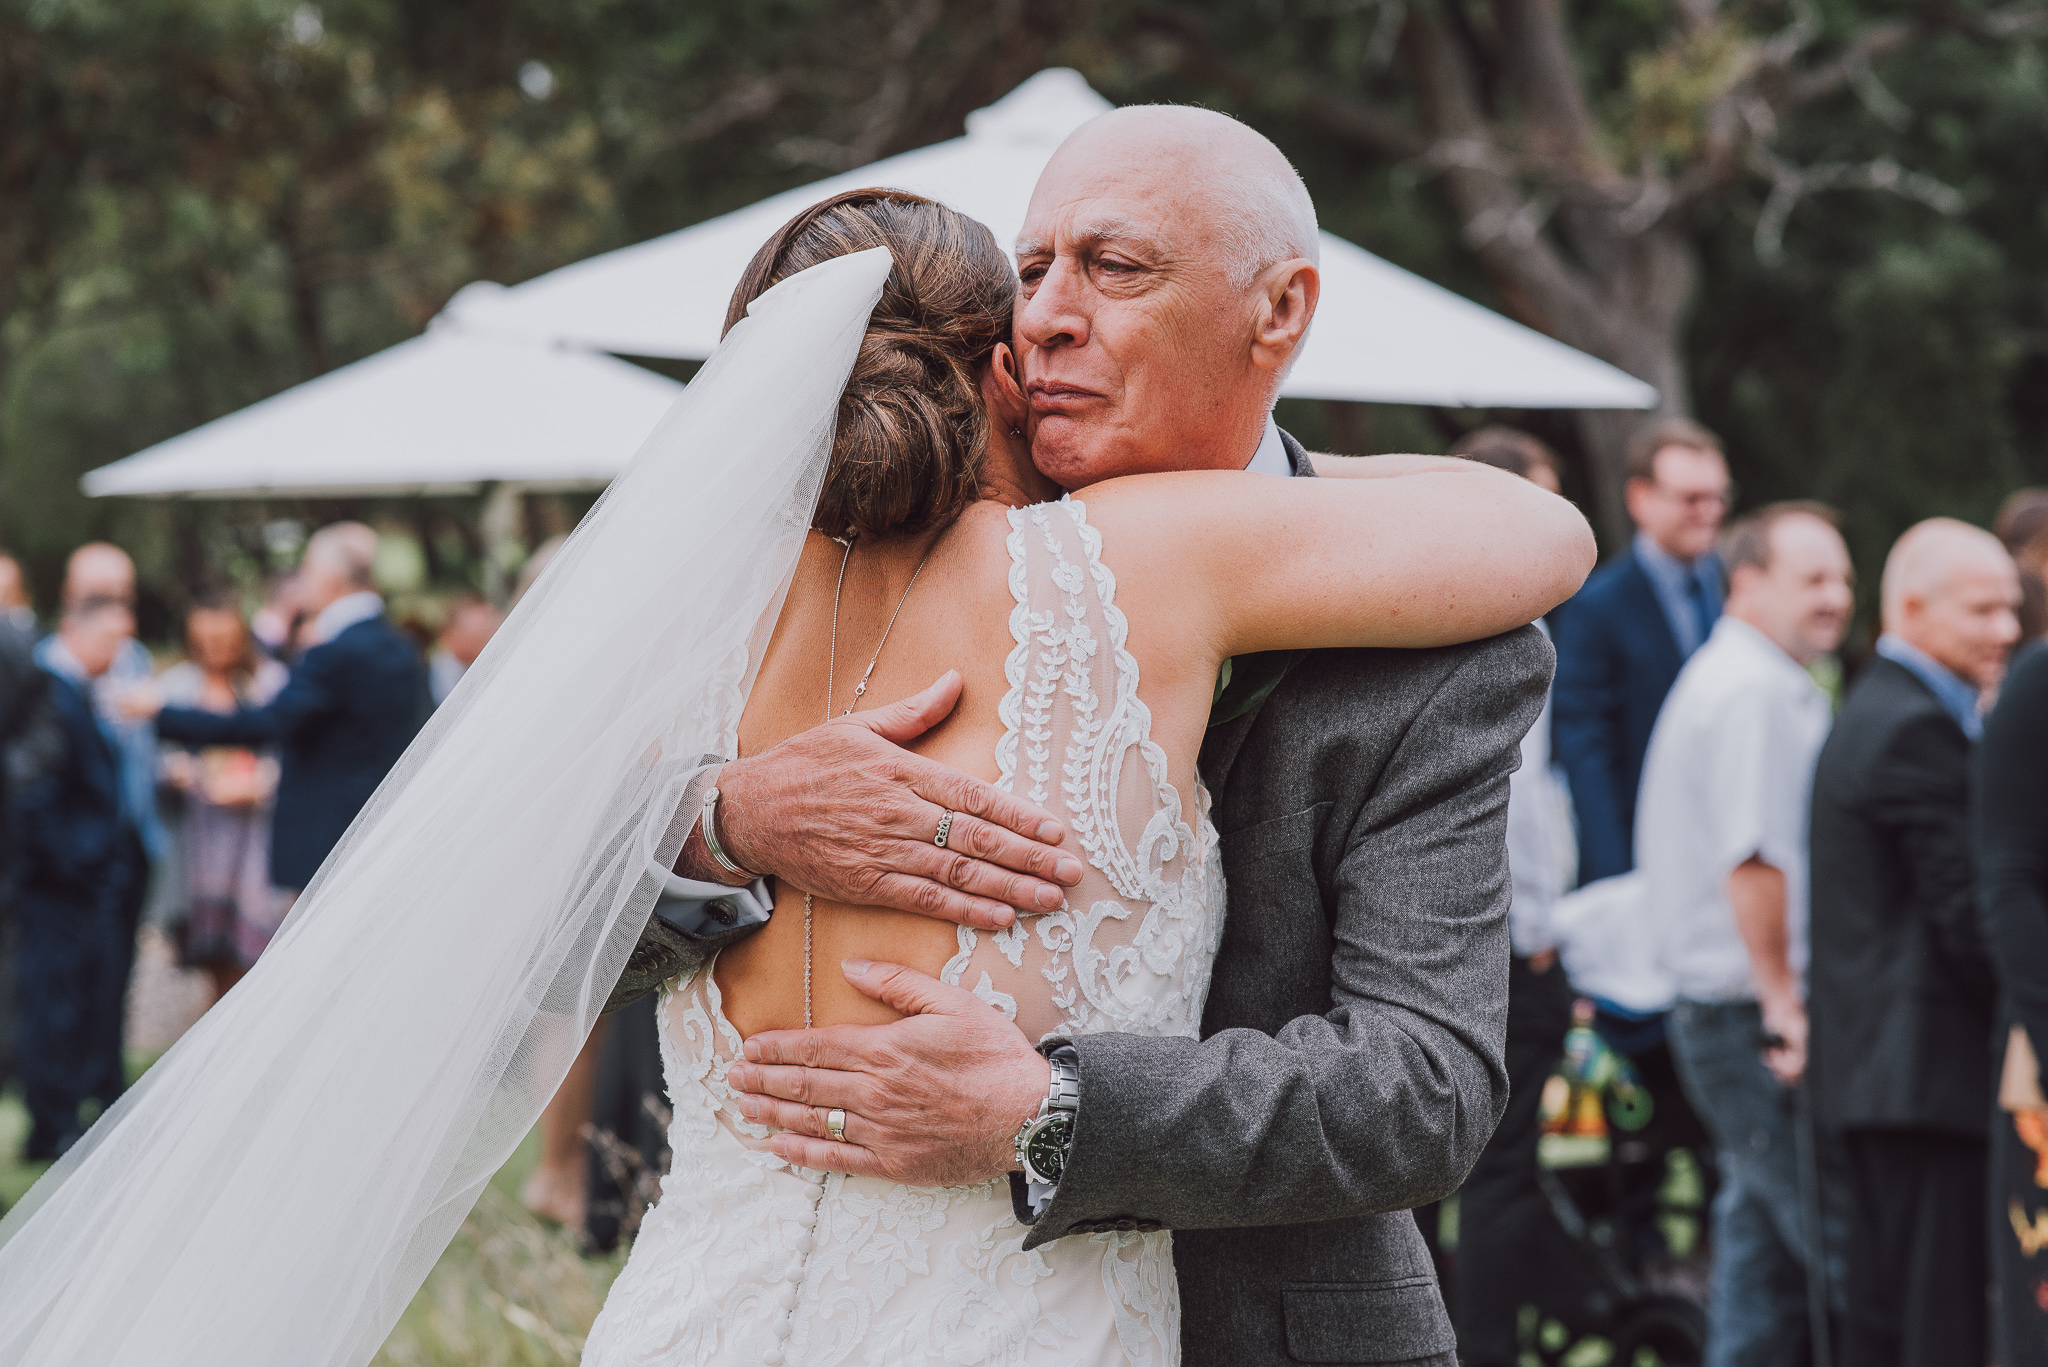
<point>912,429</point>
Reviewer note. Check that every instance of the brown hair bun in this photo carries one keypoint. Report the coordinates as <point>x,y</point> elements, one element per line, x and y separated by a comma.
<point>912,430</point>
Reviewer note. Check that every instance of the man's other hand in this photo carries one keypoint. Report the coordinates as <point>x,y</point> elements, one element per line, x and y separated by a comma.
<point>841,810</point>
<point>1785,1038</point>
<point>933,1100</point>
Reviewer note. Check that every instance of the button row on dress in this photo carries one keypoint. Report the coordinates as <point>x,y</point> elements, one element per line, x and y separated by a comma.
<point>786,1293</point>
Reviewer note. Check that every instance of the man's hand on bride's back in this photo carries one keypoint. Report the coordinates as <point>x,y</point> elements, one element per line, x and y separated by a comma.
<point>932,1100</point>
<point>844,811</point>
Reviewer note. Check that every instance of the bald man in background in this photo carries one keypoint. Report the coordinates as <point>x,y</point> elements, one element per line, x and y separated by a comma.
<point>356,698</point>
<point>1901,995</point>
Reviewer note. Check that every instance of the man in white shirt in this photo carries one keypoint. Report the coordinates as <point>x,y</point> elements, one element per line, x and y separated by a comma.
<point>1721,839</point>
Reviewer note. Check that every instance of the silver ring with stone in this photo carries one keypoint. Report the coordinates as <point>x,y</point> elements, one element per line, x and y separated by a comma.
<point>945,829</point>
<point>835,1125</point>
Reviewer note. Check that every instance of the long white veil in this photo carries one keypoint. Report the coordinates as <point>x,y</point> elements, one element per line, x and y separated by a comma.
<point>280,1183</point>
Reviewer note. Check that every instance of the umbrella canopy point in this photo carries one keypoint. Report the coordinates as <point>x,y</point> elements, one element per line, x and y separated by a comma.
<point>446,413</point>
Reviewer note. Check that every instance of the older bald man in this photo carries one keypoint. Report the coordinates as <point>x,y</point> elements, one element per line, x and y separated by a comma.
<point>1901,990</point>
<point>1350,1061</point>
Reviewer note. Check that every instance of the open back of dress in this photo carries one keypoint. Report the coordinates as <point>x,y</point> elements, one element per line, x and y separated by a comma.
<point>748,1260</point>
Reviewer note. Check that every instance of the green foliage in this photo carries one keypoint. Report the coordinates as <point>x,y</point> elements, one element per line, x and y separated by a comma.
<point>1895,363</point>
<point>207,201</point>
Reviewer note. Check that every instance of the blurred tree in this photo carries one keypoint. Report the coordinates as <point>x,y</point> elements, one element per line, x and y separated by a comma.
<point>1588,159</point>
<point>203,202</point>
<point>207,201</point>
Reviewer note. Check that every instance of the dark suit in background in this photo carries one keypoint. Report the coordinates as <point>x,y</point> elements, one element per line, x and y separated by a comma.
<point>1900,998</point>
<point>352,706</point>
<point>81,875</point>
<point>2010,809</point>
<point>28,736</point>
<point>1617,657</point>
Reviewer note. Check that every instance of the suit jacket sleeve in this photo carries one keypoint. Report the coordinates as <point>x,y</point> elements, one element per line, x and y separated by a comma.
<point>310,692</point>
<point>1919,793</point>
<point>1585,739</point>
<point>1383,1102</point>
<point>2011,815</point>
<point>49,817</point>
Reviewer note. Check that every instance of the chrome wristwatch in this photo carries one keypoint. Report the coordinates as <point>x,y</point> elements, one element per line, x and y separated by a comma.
<point>1043,1141</point>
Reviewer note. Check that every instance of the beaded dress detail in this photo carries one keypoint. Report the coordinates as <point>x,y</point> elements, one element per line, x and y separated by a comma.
<point>746,1260</point>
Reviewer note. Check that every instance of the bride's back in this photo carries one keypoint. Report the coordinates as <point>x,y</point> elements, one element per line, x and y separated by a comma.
<point>968,584</point>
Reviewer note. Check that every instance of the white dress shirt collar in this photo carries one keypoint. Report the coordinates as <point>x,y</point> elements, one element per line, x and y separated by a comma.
<point>1271,457</point>
<point>343,613</point>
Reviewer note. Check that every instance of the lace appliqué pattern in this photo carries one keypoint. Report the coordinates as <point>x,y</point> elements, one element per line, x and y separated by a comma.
<point>747,1260</point>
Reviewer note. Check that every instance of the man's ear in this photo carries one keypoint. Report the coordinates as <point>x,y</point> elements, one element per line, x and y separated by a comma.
<point>1001,390</point>
<point>1287,301</point>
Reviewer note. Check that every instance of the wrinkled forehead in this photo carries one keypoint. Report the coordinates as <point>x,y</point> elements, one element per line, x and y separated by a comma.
<point>1147,197</point>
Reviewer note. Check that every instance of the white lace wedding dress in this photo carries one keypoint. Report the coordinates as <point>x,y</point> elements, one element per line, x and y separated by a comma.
<point>748,1260</point>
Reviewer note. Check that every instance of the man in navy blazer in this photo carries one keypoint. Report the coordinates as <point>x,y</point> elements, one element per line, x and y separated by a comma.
<point>355,700</point>
<point>1622,639</point>
<point>81,875</point>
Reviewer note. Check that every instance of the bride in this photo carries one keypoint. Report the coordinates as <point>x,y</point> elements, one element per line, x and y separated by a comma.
<point>838,509</point>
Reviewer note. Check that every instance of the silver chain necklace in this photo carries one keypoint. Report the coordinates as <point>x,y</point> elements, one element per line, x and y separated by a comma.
<point>859,690</point>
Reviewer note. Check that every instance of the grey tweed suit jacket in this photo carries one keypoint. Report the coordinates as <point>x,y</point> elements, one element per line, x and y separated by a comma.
<point>1350,1062</point>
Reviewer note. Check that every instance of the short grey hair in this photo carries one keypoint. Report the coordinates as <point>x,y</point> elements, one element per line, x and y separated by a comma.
<point>347,548</point>
<point>1268,218</point>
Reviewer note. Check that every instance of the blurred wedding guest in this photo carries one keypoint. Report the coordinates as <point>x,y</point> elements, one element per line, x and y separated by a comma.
<point>274,624</point>
<point>354,701</point>
<point>15,604</point>
<point>81,877</point>
<point>2009,805</point>
<point>2022,526</point>
<point>29,739</point>
<point>231,908</point>
<point>99,572</point>
<point>1502,1214</point>
<point>1722,845</point>
<point>468,629</point>
<point>1902,993</point>
<point>1622,638</point>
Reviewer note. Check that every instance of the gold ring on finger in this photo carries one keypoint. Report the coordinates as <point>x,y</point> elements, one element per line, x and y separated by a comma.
<point>835,1125</point>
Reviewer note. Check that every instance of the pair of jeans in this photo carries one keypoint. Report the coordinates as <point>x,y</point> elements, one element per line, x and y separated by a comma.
<point>1758,1315</point>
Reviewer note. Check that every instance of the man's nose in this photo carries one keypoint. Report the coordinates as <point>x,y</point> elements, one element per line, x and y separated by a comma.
<point>1057,312</point>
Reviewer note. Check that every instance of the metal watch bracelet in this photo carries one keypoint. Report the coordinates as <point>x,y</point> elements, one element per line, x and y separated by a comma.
<point>1043,1140</point>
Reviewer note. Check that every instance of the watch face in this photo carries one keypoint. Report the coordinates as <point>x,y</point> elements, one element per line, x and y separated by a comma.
<point>1046,1150</point>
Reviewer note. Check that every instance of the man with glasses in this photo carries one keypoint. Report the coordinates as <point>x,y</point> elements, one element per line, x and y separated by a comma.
<point>1622,639</point>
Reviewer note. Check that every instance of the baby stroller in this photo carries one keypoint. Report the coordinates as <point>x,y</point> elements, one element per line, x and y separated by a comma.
<point>1626,1170</point>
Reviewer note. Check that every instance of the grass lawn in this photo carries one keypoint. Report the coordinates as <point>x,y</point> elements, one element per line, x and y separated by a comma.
<point>509,1292</point>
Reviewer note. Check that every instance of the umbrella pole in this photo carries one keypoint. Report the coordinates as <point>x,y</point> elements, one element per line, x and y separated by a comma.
<point>500,526</point>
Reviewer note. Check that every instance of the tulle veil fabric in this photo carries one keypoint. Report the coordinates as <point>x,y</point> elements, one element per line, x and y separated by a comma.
<point>280,1183</point>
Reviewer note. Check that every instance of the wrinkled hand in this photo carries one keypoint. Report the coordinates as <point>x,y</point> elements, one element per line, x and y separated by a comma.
<point>933,1100</point>
<point>843,811</point>
<point>1785,1017</point>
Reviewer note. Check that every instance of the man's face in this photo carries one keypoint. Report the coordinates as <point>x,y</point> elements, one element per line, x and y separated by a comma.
<point>1682,507</point>
<point>1134,341</point>
<point>469,630</point>
<point>1971,620</point>
<point>1804,598</point>
<point>13,593</point>
<point>97,638</point>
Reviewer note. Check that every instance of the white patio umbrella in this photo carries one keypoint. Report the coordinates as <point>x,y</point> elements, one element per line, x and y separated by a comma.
<point>449,412</point>
<point>1381,333</point>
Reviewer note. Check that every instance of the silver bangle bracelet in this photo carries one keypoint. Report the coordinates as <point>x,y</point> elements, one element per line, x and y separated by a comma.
<point>708,822</point>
